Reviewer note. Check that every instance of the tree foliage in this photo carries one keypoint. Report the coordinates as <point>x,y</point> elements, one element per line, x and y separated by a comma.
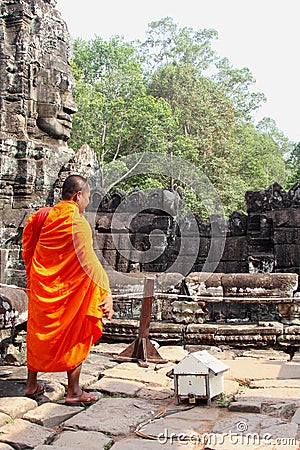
<point>174,94</point>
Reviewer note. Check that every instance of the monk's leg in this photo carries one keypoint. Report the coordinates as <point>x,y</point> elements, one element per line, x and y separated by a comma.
<point>31,383</point>
<point>74,390</point>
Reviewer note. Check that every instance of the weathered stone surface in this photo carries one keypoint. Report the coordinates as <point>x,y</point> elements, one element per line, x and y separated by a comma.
<point>204,284</point>
<point>25,435</point>
<point>87,378</point>
<point>81,439</point>
<point>50,414</point>
<point>289,383</point>
<point>260,285</point>
<point>114,386</point>
<point>136,444</point>
<point>249,407</point>
<point>247,369</point>
<point>154,393</point>
<point>127,414</point>
<point>16,406</point>
<point>132,371</point>
<point>296,417</point>
<point>282,394</point>
<point>36,98</point>
<point>281,430</point>
<point>175,426</point>
<point>5,447</point>
<point>172,353</point>
<point>4,418</point>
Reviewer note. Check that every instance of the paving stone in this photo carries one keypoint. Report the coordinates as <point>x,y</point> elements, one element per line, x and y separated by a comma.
<point>16,407</point>
<point>283,430</point>
<point>172,353</point>
<point>52,447</point>
<point>195,413</point>
<point>60,377</point>
<point>155,374</point>
<point>248,423</point>
<point>168,426</point>
<point>284,409</point>
<point>115,416</point>
<point>4,418</point>
<point>268,394</point>
<point>231,387</point>
<point>250,442</point>
<point>266,354</point>
<point>250,407</point>
<point>13,372</point>
<point>109,349</point>
<point>54,391</point>
<point>22,434</point>
<point>51,414</point>
<point>189,423</point>
<point>261,384</point>
<point>138,444</point>
<point>155,393</point>
<point>96,364</point>
<point>82,440</point>
<point>246,369</point>
<point>296,417</point>
<point>6,447</point>
<point>117,386</point>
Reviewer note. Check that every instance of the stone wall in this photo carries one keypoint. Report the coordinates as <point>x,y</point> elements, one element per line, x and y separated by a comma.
<point>266,239</point>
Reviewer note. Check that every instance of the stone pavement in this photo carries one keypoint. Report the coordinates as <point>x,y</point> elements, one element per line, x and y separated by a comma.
<point>260,408</point>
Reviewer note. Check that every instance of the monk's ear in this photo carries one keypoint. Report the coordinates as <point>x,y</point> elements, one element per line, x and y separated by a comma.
<point>76,196</point>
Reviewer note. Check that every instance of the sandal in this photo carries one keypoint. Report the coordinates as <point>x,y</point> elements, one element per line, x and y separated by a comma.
<point>85,399</point>
<point>40,389</point>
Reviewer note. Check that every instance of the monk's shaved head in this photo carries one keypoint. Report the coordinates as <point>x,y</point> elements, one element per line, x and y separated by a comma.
<point>72,185</point>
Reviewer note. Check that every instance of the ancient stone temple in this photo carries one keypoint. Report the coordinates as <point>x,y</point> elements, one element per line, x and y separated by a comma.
<point>36,100</point>
<point>248,294</point>
<point>36,107</point>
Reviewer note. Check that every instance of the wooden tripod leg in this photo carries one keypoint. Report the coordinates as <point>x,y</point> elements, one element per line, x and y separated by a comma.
<point>142,349</point>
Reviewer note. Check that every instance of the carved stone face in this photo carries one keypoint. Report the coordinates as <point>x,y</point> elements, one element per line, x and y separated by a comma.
<point>53,83</point>
<point>37,82</point>
<point>55,106</point>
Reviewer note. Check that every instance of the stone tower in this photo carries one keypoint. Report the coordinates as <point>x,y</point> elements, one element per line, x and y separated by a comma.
<point>36,108</point>
<point>36,101</point>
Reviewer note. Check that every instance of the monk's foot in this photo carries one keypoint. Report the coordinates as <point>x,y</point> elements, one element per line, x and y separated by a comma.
<point>84,399</point>
<point>37,392</point>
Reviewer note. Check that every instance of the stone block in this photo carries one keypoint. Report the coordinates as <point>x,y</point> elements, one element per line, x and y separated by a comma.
<point>287,255</point>
<point>51,414</point>
<point>78,440</point>
<point>23,434</point>
<point>286,236</point>
<point>260,285</point>
<point>127,413</point>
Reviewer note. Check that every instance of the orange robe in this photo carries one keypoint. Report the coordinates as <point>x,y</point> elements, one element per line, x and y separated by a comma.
<point>66,283</point>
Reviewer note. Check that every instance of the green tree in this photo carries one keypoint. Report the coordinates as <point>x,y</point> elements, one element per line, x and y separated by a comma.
<point>167,43</point>
<point>294,165</point>
<point>237,84</point>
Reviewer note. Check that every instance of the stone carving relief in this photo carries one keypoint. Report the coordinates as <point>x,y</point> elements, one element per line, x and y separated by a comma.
<point>36,100</point>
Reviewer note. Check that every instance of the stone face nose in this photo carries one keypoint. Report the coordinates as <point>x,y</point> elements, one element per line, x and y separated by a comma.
<point>68,103</point>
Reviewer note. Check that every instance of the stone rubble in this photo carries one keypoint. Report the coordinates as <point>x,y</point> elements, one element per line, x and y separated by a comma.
<point>136,407</point>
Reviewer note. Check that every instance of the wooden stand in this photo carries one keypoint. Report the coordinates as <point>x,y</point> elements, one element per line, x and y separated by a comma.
<point>141,349</point>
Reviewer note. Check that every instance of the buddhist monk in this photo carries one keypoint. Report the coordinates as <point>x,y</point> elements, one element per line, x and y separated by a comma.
<point>68,291</point>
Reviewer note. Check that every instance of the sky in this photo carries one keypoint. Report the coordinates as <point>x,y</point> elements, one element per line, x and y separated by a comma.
<point>263,35</point>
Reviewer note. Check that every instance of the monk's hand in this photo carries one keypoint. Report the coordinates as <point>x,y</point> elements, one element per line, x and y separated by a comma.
<point>107,306</point>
